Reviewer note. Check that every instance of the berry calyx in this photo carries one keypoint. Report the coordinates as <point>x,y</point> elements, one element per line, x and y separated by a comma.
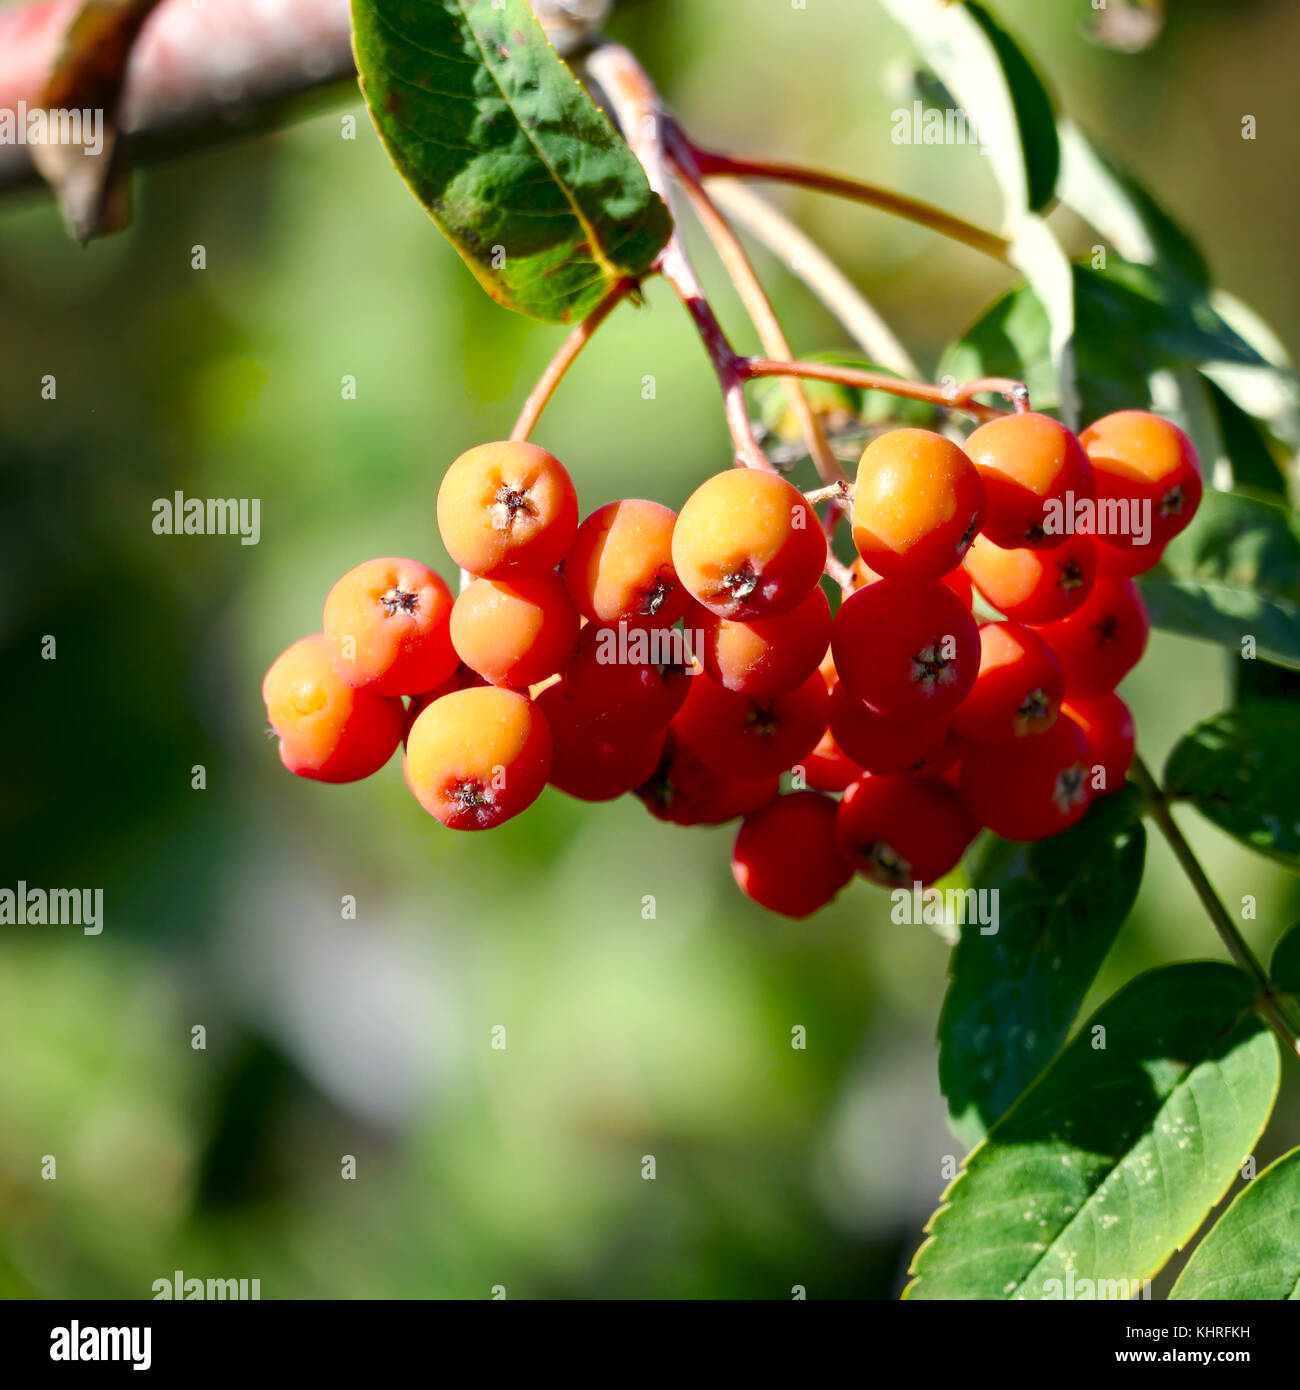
<point>1031,788</point>
<point>901,830</point>
<point>1019,688</point>
<point>1102,640</point>
<point>1034,586</point>
<point>619,567</point>
<point>747,737</point>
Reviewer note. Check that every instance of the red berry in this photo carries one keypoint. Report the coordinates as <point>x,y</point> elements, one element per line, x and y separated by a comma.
<point>629,678</point>
<point>766,656</point>
<point>587,761</point>
<point>785,857</point>
<point>956,579</point>
<point>1035,471</point>
<point>1102,641</point>
<point>744,736</point>
<point>1032,788</point>
<point>908,651</point>
<point>879,746</point>
<point>828,768</point>
<point>683,791</point>
<point>1033,586</point>
<point>902,829</point>
<point>917,504</point>
<point>1107,724</point>
<point>1018,690</point>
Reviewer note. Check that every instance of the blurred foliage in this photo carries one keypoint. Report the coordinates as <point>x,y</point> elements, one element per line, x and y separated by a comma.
<point>626,1037</point>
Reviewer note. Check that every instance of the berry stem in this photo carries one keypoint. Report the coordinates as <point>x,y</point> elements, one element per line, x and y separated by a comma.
<point>715,165</point>
<point>952,397</point>
<point>639,111</point>
<point>752,294</point>
<point>801,255</point>
<point>1267,1002</point>
<point>540,395</point>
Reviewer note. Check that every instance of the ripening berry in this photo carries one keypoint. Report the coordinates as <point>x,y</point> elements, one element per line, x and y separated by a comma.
<point>785,857</point>
<point>619,566</point>
<point>462,678</point>
<point>507,509</point>
<point>477,757</point>
<point>1114,563</point>
<point>768,655</point>
<point>1102,640</point>
<point>957,580</point>
<point>586,760</point>
<point>388,626</point>
<point>1034,586</point>
<point>1035,472</point>
<point>1145,463</point>
<point>747,736</point>
<point>1107,724</point>
<point>909,651</point>
<point>328,730</point>
<point>683,791</point>
<point>748,545</point>
<point>1019,688</point>
<point>515,631</point>
<point>901,830</point>
<point>879,746</point>
<point>917,505</point>
<point>629,678</point>
<point>1031,788</point>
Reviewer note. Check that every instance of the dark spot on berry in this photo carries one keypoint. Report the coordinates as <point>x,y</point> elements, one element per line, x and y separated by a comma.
<point>397,601</point>
<point>508,503</point>
<point>884,864</point>
<point>652,600</point>
<point>1035,534</point>
<point>1070,574</point>
<point>762,720</point>
<point>468,795</point>
<point>968,535</point>
<point>1107,630</point>
<point>1171,504</point>
<point>741,583</point>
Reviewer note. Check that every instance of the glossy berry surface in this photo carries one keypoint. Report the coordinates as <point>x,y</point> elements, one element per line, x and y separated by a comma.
<point>785,857</point>
<point>901,830</point>
<point>619,567</point>
<point>1032,788</point>
<point>1019,688</point>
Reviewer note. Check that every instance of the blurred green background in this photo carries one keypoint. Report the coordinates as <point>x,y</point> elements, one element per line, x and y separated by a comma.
<point>625,1037</point>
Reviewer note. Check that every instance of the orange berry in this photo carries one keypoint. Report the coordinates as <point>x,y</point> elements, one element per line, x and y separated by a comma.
<point>388,626</point>
<point>768,655</point>
<point>476,757</point>
<point>917,505</point>
<point>1030,788</point>
<point>1034,586</point>
<point>785,857</point>
<point>1102,640</point>
<point>747,545</point>
<point>745,736</point>
<point>507,509</point>
<point>328,730</point>
<point>683,791</point>
<point>619,566</point>
<point>957,580</point>
<point>1035,472</point>
<point>908,651</point>
<point>1142,461</point>
<point>879,746</point>
<point>1107,724</point>
<point>514,631</point>
<point>901,830</point>
<point>1019,688</point>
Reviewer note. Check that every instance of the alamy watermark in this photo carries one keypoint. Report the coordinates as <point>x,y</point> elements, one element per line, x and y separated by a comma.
<point>945,907</point>
<point>53,907</point>
<point>179,515</point>
<point>920,124</point>
<point>34,125</point>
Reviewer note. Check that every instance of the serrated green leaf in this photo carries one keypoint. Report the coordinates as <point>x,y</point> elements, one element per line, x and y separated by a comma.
<point>1253,1250</point>
<point>1109,1163</point>
<point>510,157</point>
<point>1234,572</point>
<point>1241,770</point>
<point>1014,993</point>
<point>982,66</point>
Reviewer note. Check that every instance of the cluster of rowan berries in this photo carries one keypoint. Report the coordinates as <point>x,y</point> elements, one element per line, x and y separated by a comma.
<point>693,659</point>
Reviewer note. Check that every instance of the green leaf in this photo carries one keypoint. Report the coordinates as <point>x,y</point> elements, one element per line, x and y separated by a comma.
<point>982,66</point>
<point>1130,321</point>
<point>1234,572</point>
<point>1241,770</point>
<point>1109,1163</point>
<point>1253,1250</point>
<point>1014,993</point>
<point>1113,202</point>
<point>1284,968</point>
<point>1245,445</point>
<point>509,156</point>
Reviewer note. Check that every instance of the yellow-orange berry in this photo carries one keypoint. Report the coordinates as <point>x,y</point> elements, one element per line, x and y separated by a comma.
<point>515,631</point>
<point>619,567</point>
